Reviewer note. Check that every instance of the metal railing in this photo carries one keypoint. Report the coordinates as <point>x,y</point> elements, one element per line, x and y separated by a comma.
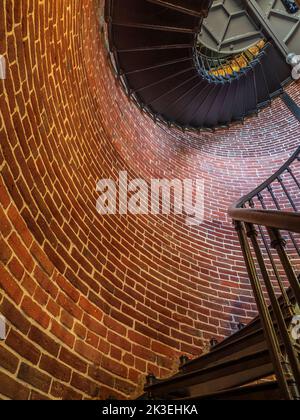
<point>268,225</point>
<point>219,68</point>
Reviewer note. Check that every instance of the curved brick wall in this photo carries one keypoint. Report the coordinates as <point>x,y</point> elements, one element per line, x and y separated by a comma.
<point>93,304</point>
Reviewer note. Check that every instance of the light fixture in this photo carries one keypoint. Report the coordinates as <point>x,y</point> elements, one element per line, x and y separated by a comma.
<point>2,67</point>
<point>2,327</point>
<point>293,59</point>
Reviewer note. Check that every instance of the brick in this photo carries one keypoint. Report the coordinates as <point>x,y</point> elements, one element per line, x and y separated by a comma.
<point>101,376</point>
<point>40,296</point>
<point>80,331</point>
<point>69,306</point>
<point>88,352</point>
<point>73,361</point>
<point>34,377</point>
<point>21,252</point>
<point>4,197</point>
<point>43,340</point>
<point>90,308</point>
<point>42,259</point>
<point>10,286</point>
<point>8,361</point>
<point>85,385</point>
<point>5,225</point>
<point>63,392</point>
<point>162,349</point>
<point>119,341</point>
<point>36,396</point>
<point>67,288</point>
<point>143,353</point>
<point>124,387</point>
<point>114,367</point>
<point>94,326</point>
<point>14,316</point>
<point>139,338</point>
<point>29,284</point>
<point>53,308</point>
<point>34,311</point>
<point>62,334</point>
<point>114,326</point>
<point>55,259</point>
<point>92,339</point>
<point>23,347</point>
<point>45,282</point>
<point>20,226</point>
<point>55,368</point>
<point>5,252</point>
<point>16,269</point>
<point>12,388</point>
<point>150,283</point>
<point>66,319</point>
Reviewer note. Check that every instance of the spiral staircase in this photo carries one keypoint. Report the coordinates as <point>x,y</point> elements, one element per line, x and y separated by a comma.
<point>175,63</point>
<point>157,52</point>
<point>261,360</point>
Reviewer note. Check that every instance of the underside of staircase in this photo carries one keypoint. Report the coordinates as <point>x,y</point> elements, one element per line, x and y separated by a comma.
<point>239,368</point>
<point>153,47</point>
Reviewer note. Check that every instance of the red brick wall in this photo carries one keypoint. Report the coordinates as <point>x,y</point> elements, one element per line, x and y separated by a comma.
<point>93,304</point>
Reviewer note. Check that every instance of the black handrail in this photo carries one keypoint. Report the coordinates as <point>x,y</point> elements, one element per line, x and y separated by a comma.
<point>241,203</point>
<point>260,232</point>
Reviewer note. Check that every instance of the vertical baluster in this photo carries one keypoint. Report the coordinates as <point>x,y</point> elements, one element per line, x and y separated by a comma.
<point>280,180</point>
<point>288,304</point>
<point>278,243</point>
<point>289,348</point>
<point>270,335</point>
<point>150,380</point>
<point>294,177</point>
<point>270,189</point>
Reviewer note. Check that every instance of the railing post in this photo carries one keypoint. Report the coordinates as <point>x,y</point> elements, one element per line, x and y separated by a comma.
<point>293,364</point>
<point>278,243</point>
<point>268,327</point>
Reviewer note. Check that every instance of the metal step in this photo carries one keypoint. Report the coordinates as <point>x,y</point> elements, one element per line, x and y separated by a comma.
<point>239,360</point>
<point>218,377</point>
<point>259,392</point>
<point>197,8</point>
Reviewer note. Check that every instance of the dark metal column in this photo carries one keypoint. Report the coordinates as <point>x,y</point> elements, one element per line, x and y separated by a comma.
<point>291,104</point>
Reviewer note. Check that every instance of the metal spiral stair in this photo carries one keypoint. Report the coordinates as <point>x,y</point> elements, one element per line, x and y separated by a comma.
<point>153,47</point>
<point>245,364</point>
<point>239,368</point>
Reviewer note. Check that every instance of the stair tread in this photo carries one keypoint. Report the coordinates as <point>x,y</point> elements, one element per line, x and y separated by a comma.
<point>242,357</point>
<point>196,373</point>
<point>213,116</point>
<point>242,391</point>
<point>143,12</point>
<point>193,7</point>
<point>221,376</point>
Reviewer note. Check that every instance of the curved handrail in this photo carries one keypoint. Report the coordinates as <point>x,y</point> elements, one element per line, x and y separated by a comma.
<point>269,181</point>
<point>269,265</point>
<point>276,219</point>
